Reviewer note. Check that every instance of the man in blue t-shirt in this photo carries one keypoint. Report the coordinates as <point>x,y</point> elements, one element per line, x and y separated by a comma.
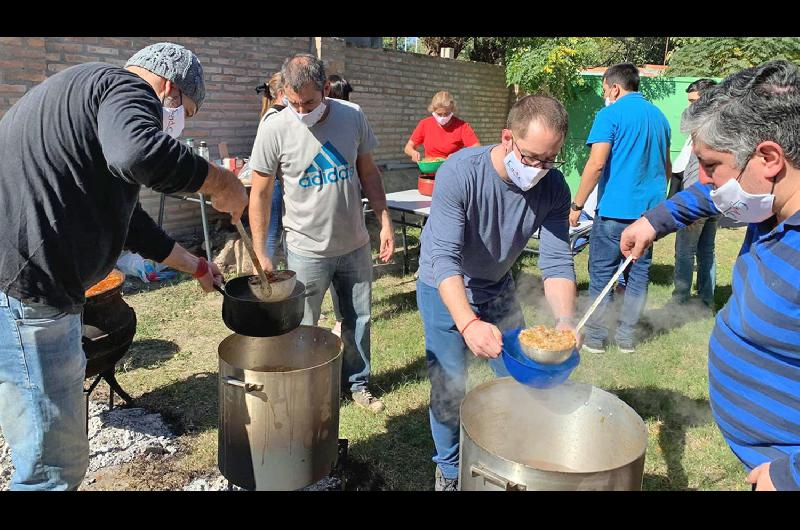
<point>629,158</point>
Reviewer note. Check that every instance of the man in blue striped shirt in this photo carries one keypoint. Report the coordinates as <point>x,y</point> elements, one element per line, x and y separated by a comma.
<point>746,134</point>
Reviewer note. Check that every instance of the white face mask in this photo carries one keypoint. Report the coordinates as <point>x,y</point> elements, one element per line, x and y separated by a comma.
<point>442,120</point>
<point>525,177</point>
<point>173,120</point>
<point>734,202</point>
<point>310,118</point>
<point>608,102</point>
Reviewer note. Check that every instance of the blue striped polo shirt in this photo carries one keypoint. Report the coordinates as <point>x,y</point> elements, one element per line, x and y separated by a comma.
<point>754,350</point>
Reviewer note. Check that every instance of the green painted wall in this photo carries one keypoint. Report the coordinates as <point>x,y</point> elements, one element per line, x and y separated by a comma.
<point>667,93</point>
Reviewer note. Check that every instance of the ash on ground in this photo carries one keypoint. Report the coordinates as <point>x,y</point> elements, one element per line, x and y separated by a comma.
<point>216,482</point>
<point>116,437</point>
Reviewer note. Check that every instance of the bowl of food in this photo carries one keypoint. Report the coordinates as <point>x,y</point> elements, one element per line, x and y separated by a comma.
<point>430,165</point>
<point>281,282</point>
<point>531,373</point>
<point>546,345</point>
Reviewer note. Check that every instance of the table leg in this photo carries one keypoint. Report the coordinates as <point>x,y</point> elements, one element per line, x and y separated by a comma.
<point>405,243</point>
<point>161,209</point>
<point>204,219</point>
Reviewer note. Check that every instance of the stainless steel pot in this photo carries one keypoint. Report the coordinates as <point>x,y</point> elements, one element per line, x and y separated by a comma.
<point>279,408</point>
<point>570,437</point>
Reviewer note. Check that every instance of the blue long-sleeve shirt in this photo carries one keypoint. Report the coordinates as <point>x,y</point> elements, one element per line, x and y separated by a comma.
<point>754,350</point>
<point>479,225</point>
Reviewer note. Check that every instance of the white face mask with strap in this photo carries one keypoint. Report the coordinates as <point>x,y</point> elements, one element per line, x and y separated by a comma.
<point>173,120</point>
<point>524,177</point>
<point>442,120</point>
<point>733,202</point>
<point>310,118</point>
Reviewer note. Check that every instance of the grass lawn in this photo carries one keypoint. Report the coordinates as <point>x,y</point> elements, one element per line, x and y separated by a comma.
<point>172,369</point>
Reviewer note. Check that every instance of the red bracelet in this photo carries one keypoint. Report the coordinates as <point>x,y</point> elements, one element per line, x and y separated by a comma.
<point>202,268</point>
<point>468,325</point>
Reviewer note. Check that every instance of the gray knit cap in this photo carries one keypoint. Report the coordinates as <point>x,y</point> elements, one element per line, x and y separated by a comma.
<point>174,63</point>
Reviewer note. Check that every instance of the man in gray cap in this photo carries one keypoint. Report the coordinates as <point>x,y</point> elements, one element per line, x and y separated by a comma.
<point>75,151</point>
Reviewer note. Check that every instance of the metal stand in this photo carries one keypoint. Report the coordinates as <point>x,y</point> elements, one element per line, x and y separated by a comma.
<point>203,215</point>
<point>342,459</point>
<point>113,385</point>
<point>204,219</point>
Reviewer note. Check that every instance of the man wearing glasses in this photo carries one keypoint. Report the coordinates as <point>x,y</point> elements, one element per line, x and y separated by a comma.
<point>487,203</point>
<point>630,158</point>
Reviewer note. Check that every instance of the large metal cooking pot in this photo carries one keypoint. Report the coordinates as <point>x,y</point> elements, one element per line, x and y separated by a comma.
<point>279,408</point>
<point>570,437</point>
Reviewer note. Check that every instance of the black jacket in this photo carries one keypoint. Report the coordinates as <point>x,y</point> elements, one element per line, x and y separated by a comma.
<point>74,152</point>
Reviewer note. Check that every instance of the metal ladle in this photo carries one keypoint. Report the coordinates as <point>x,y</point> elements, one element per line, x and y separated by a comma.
<point>544,356</point>
<point>265,288</point>
<point>603,293</point>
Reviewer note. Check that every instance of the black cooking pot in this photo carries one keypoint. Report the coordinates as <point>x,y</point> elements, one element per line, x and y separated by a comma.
<point>245,314</point>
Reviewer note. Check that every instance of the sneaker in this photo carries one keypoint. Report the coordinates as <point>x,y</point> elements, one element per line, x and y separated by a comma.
<point>626,347</point>
<point>593,348</point>
<point>444,484</point>
<point>366,400</point>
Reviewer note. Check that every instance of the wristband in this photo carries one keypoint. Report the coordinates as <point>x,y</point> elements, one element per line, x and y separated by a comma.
<point>202,268</point>
<point>468,325</point>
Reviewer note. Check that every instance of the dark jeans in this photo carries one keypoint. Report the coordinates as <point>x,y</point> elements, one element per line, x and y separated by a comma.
<point>604,260</point>
<point>275,230</point>
<point>696,239</point>
<point>447,355</point>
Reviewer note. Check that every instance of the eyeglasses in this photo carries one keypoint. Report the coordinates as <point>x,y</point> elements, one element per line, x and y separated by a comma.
<point>535,162</point>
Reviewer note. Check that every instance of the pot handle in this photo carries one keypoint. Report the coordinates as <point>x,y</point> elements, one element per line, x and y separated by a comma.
<point>95,339</point>
<point>477,470</point>
<point>220,289</point>
<point>248,387</point>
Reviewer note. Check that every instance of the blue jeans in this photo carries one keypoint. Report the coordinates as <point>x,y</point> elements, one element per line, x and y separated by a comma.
<point>604,260</point>
<point>42,414</point>
<point>351,276</point>
<point>696,239</point>
<point>447,353</point>
<point>275,229</point>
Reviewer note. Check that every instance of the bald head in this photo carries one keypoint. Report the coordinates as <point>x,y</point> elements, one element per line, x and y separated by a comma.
<point>303,69</point>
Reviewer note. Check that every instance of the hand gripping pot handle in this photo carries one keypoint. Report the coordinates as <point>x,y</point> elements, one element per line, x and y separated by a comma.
<point>248,387</point>
<point>478,470</point>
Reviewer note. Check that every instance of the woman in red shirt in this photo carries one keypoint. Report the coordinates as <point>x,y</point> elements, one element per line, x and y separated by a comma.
<point>441,134</point>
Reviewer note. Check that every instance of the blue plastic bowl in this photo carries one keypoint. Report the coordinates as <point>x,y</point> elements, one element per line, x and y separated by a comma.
<point>529,372</point>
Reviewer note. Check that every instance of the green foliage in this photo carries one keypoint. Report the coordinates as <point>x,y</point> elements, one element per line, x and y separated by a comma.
<point>636,50</point>
<point>492,50</point>
<point>550,65</point>
<point>722,56</point>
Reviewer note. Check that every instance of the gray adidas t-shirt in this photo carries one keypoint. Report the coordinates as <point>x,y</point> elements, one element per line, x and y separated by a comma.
<point>321,190</point>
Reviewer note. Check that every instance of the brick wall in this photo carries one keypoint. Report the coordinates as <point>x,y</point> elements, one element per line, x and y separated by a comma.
<point>394,89</point>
